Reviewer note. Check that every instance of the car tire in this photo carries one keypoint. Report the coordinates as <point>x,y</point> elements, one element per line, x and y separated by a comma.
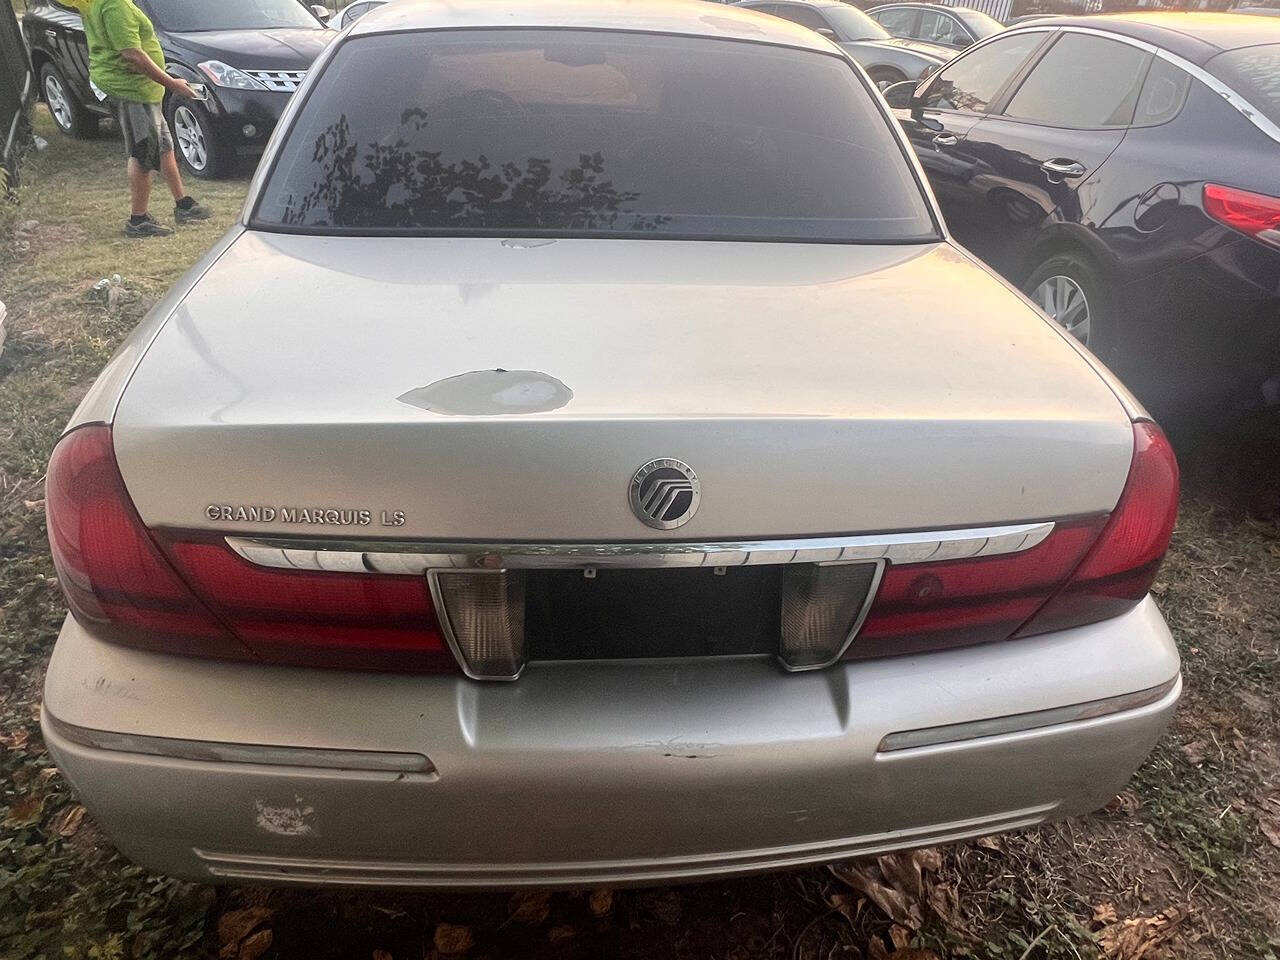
<point>69,116</point>
<point>885,77</point>
<point>1070,289</point>
<point>195,141</point>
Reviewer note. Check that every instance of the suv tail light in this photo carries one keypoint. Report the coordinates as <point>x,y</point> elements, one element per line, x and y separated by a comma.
<point>204,600</point>
<point>1085,571</point>
<point>1256,214</point>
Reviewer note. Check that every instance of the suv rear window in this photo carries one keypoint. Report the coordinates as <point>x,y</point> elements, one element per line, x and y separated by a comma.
<point>562,132</point>
<point>1254,73</point>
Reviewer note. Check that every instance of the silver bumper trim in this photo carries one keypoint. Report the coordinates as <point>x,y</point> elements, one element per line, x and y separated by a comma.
<point>373,761</point>
<point>415,559</point>
<point>995,726</point>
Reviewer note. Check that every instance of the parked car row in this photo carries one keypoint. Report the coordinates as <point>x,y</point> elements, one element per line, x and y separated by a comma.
<point>250,54</point>
<point>1125,173</point>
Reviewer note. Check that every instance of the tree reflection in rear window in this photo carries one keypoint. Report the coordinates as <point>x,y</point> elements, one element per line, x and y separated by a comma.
<point>1254,73</point>
<point>565,132</point>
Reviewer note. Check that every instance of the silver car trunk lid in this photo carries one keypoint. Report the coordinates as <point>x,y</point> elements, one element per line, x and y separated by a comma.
<point>485,389</point>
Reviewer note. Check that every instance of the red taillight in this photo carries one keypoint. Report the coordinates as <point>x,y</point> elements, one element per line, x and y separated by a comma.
<point>356,620</point>
<point>1083,572</point>
<point>1123,564</point>
<point>113,575</point>
<point>203,599</point>
<point>930,606</point>
<point>1253,213</point>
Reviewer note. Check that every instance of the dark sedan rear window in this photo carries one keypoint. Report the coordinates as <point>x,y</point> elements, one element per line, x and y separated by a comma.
<point>1254,73</point>
<point>581,133</point>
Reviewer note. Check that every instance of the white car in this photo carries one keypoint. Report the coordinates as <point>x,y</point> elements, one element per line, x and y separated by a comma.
<point>590,461</point>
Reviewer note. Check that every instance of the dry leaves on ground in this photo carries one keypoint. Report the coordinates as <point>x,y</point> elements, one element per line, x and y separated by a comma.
<point>530,907</point>
<point>239,935</point>
<point>898,885</point>
<point>1139,938</point>
<point>452,940</point>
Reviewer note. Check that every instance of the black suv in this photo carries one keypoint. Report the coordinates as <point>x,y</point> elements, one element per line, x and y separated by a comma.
<point>250,54</point>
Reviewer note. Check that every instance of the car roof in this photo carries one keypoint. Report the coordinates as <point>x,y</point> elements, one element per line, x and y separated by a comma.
<point>718,21</point>
<point>1192,35</point>
<point>923,5</point>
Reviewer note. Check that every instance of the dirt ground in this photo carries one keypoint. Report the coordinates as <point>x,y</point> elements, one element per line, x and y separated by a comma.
<point>1184,863</point>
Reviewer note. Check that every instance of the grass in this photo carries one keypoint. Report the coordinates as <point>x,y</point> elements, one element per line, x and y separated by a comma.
<point>1180,864</point>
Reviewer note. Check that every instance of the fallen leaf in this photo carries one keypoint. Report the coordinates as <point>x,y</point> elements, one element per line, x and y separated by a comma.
<point>1270,827</point>
<point>989,843</point>
<point>67,821</point>
<point>1137,938</point>
<point>24,811</point>
<point>1104,913</point>
<point>235,925</point>
<point>1195,752</point>
<point>453,939</point>
<point>530,907</point>
<point>889,901</point>
<point>665,906</point>
<point>562,934</point>
<point>382,955</point>
<point>1126,802</point>
<point>600,902</point>
<point>929,858</point>
<point>902,872</point>
<point>33,504</point>
<point>256,945</point>
<point>848,905</point>
<point>15,740</point>
<point>876,950</point>
<point>913,953</point>
<point>900,937</point>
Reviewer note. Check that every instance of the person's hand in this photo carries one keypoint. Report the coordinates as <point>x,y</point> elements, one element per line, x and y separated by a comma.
<point>181,88</point>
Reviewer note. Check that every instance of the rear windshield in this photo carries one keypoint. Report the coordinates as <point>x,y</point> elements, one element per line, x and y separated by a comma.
<point>1254,73</point>
<point>581,133</point>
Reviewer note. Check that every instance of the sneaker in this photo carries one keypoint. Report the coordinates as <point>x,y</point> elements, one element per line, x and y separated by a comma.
<point>147,228</point>
<point>197,212</point>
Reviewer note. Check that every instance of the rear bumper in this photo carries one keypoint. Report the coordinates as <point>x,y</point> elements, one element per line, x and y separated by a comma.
<point>589,774</point>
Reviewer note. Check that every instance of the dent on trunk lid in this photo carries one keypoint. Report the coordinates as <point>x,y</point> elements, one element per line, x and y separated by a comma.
<point>490,393</point>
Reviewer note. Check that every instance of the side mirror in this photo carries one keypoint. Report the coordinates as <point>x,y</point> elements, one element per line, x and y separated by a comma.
<point>898,95</point>
<point>321,12</point>
<point>826,32</point>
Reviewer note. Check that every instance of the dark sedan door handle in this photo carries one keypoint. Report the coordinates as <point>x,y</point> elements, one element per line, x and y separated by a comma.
<point>1058,167</point>
<point>945,140</point>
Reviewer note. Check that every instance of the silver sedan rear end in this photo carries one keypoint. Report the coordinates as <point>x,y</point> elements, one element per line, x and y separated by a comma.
<point>590,462</point>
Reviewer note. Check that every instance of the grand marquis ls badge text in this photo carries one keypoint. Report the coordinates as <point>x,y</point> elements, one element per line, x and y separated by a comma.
<point>327,516</point>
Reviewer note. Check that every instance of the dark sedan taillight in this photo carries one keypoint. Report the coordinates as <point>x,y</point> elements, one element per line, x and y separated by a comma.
<point>1086,570</point>
<point>197,597</point>
<point>1255,214</point>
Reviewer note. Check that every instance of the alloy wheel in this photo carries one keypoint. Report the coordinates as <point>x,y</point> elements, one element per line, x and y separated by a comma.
<point>56,97</point>
<point>190,137</point>
<point>1064,301</point>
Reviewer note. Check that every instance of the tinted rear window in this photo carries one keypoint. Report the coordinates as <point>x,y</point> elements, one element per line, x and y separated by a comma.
<point>576,132</point>
<point>1254,73</point>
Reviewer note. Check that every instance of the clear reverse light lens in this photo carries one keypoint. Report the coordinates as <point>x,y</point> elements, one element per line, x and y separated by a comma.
<point>482,613</point>
<point>821,608</point>
<point>224,75</point>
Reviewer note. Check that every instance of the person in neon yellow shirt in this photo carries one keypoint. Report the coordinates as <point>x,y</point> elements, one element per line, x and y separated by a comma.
<point>127,64</point>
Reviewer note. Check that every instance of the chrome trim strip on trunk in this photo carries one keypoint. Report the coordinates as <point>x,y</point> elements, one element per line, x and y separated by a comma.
<point>415,559</point>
